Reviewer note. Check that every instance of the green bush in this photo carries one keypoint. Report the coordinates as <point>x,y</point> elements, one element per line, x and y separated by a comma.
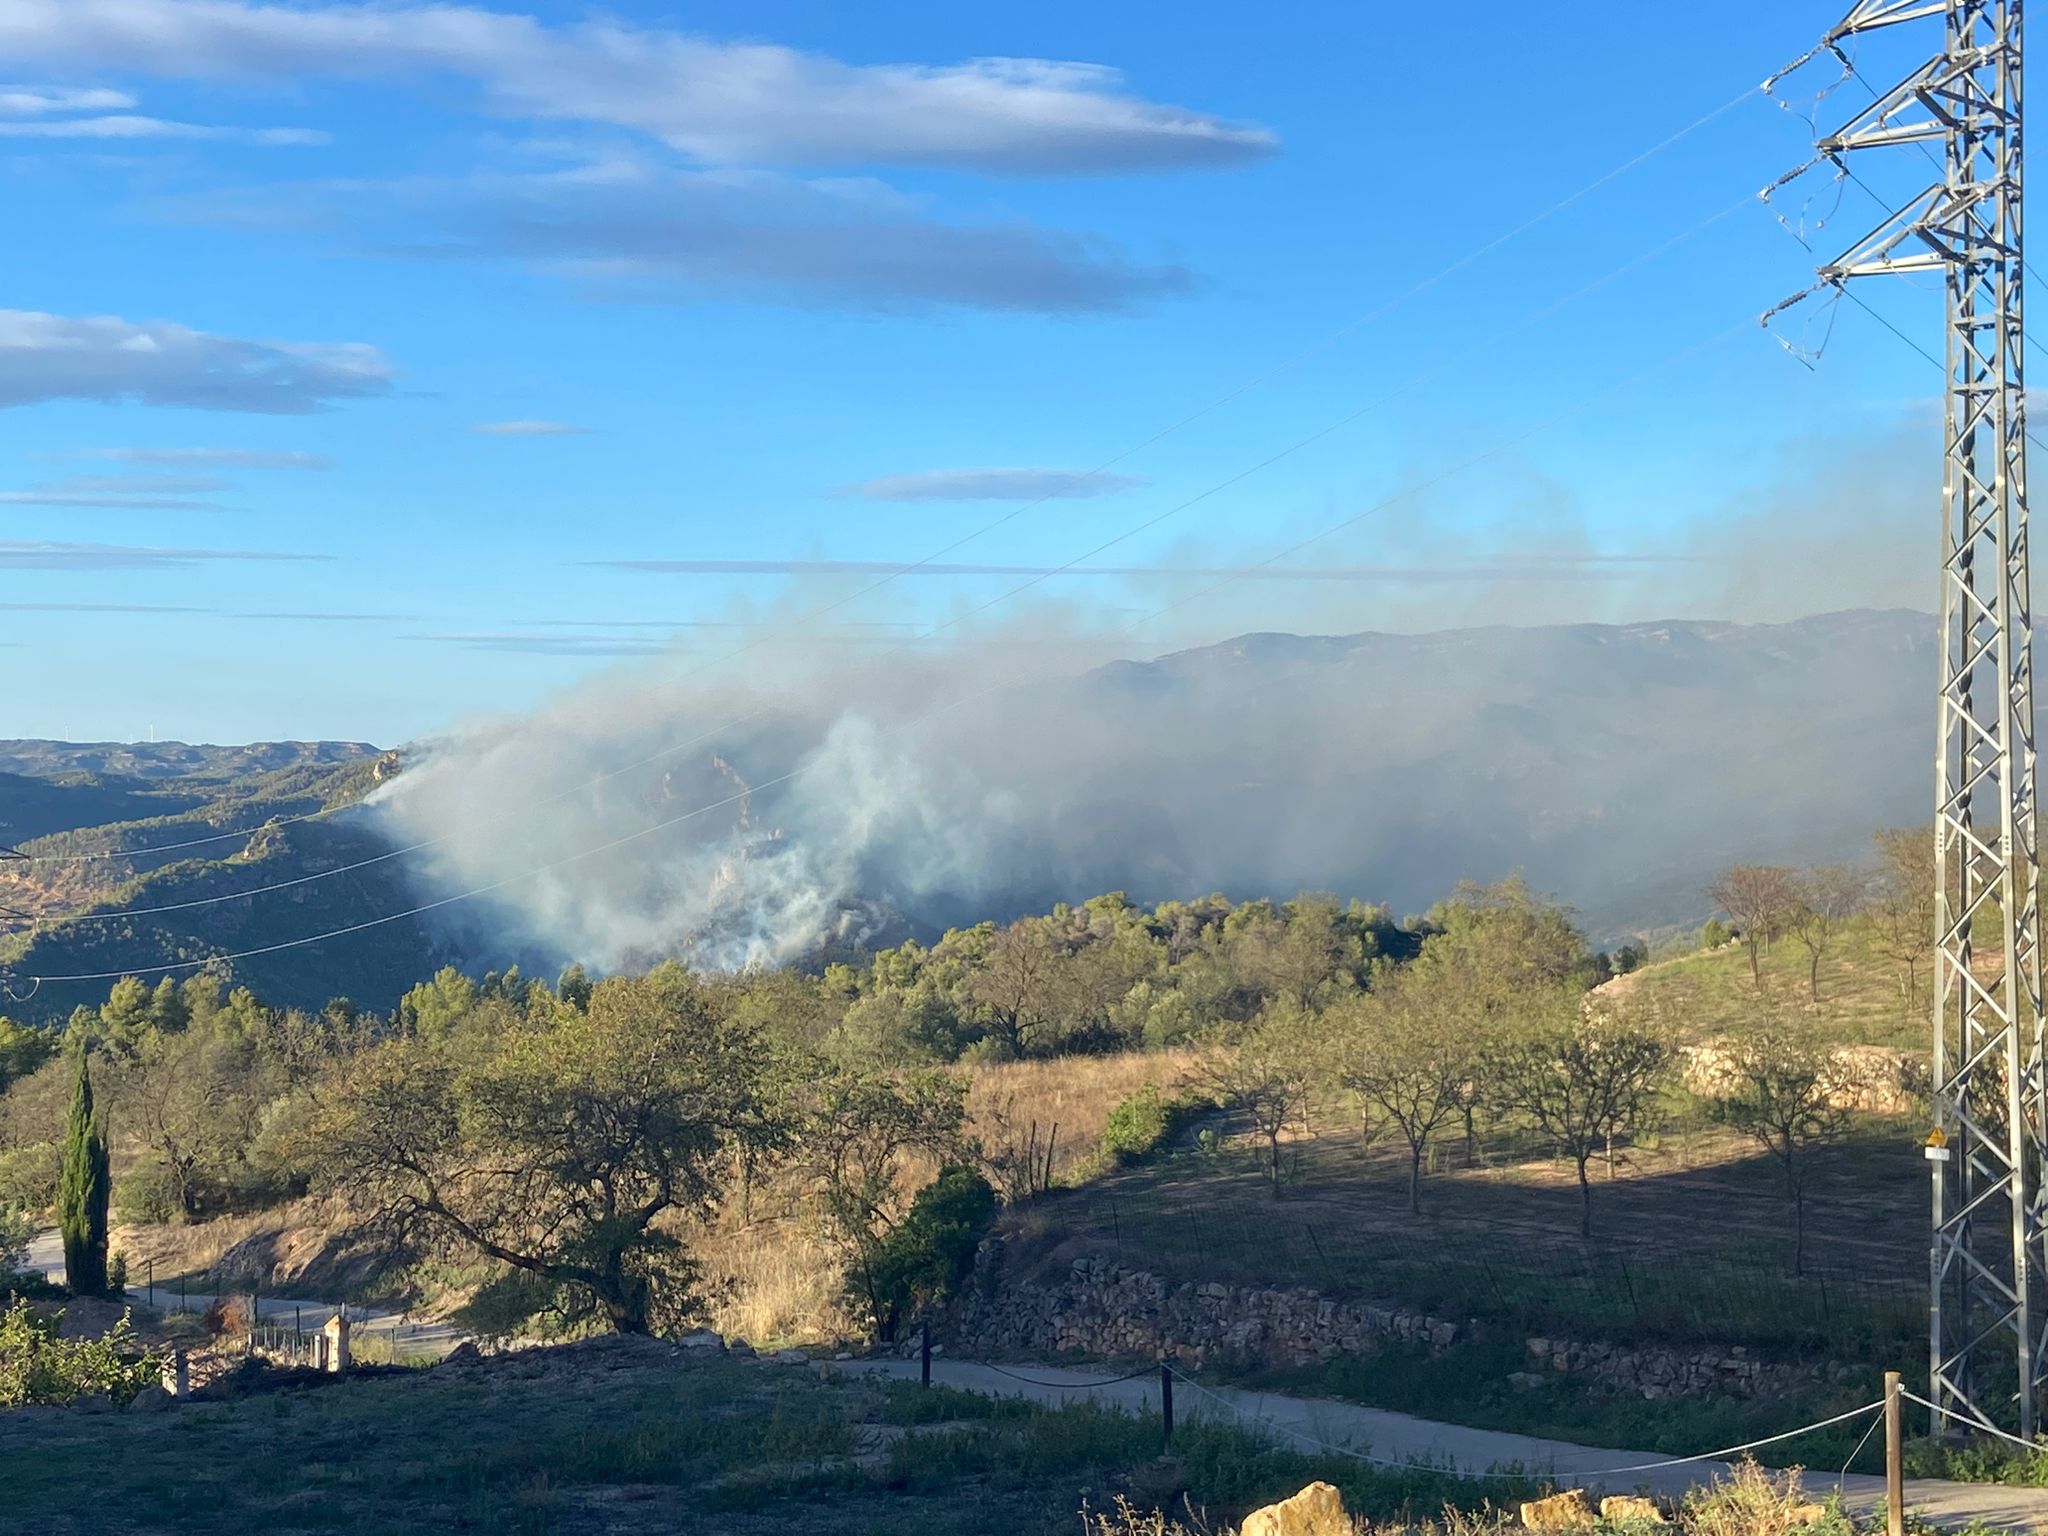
<point>145,1195</point>
<point>15,1231</point>
<point>923,1259</point>
<point>29,1174</point>
<point>36,1366</point>
<point>1714,934</point>
<point>1137,1125</point>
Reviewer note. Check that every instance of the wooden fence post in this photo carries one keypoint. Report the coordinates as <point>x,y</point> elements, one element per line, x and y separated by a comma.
<point>1894,1458</point>
<point>1165,1406</point>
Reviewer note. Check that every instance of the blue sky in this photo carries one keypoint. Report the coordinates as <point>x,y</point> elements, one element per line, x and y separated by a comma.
<point>519,344</point>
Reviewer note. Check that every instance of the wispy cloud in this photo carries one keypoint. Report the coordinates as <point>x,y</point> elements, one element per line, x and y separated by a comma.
<point>103,357</point>
<point>1505,568</point>
<point>991,485</point>
<point>333,618</point>
<point>720,103</point>
<point>104,501</point>
<point>130,126</point>
<point>513,643</point>
<point>33,100</point>
<point>652,233</point>
<point>99,608</point>
<point>528,429</point>
<point>224,458</point>
<point>26,555</point>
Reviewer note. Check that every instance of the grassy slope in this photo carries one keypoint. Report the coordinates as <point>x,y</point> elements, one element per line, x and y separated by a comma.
<point>1861,993</point>
<point>635,1437</point>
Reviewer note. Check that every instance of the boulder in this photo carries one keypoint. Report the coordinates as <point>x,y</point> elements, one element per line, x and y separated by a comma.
<point>465,1353</point>
<point>701,1338</point>
<point>92,1402</point>
<point>1567,1511</point>
<point>790,1357</point>
<point>1318,1510</point>
<point>1624,1509</point>
<point>151,1400</point>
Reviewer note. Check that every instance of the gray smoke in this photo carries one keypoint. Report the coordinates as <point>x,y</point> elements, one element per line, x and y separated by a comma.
<point>895,791</point>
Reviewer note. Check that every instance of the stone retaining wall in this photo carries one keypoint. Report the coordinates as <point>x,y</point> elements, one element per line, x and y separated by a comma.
<point>1106,1311</point>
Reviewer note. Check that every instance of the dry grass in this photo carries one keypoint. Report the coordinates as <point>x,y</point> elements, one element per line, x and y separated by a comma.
<point>1067,1100</point>
<point>774,1284</point>
<point>278,1245</point>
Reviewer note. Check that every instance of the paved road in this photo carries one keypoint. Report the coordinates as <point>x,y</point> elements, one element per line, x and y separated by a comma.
<point>372,1325</point>
<point>1315,1423</point>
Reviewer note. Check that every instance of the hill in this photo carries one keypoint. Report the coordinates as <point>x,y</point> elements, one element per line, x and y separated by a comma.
<point>1617,766</point>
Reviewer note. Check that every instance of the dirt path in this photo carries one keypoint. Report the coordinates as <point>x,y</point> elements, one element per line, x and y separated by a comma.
<point>1324,1424</point>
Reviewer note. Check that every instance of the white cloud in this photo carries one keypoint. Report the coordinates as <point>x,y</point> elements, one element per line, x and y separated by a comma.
<point>42,555</point>
<point>31,100</point>
<point>106,358</point>
<point>721,103</point>
<point>528,429</point>
<point>225,458</point>
<point>991,485</point>
<point>132,127</point>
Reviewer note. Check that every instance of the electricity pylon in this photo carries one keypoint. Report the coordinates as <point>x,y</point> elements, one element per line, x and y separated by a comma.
<point>1986,1266</point>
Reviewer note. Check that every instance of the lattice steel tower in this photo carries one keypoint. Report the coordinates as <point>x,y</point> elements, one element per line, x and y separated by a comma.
<point>1988,1327</point>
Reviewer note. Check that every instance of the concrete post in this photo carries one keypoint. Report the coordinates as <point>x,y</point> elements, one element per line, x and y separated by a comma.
<point>337,1344</point>
<point>178,1374</point>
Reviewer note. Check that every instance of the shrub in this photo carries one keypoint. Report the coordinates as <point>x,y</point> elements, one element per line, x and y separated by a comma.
<point>29,1174</point>
<point>924,1258</point>
<point>36,1366</point>
<point>1714,934</point>
<point>1137,1125</point>
<point>146,1195</point>
<point>15,1231</point>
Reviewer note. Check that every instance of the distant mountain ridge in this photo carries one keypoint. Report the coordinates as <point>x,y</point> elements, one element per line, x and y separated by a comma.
<point>1616,765</point>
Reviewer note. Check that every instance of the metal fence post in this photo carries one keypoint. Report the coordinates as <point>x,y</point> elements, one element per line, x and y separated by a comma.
<point>924,1352</point>
<point>1165,1405</point>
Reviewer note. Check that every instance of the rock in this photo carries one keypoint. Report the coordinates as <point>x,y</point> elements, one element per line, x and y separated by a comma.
<point>790,1357</point>
<point>740,1348</point>
<point>465,1353</point>
<point>151,1400</point>
<point>1806,1514</point>
<point>1527,1381</point>
<point>1567,1511</point>
<point>701,1338</point>
<point>1318,1510</point>
<point>1623,1509</point>
<point>92,1402</point>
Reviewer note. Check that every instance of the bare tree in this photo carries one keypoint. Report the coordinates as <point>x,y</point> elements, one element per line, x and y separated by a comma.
<point>1790,1093</point>
<point>1903,902</point>
<point>1267,1075</point>
<point>1406,1053</point>
<point>1828,897</point>
<point>1581,1074</point>
<point>1758,899</point>
<point>1014,983</point>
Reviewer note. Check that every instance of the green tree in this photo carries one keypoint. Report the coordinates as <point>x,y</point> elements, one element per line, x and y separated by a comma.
<point>561,1147</point>
<point>23,1048</point>
<point>1268,1074</point>
<point>922,1260</point>
<point>82,1192</point>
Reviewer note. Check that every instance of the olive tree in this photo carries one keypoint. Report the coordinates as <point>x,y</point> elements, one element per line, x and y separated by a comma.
<point>561,1147</point>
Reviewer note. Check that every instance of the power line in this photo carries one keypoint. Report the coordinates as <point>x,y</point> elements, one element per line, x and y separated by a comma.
<point>1288,363</point>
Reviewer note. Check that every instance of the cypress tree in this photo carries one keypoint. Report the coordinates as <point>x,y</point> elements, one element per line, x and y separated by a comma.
<point>82,1194</point>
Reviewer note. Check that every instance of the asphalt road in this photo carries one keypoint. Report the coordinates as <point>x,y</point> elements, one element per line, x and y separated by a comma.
<point>1323,1424</point>
<point>429,1340</point>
